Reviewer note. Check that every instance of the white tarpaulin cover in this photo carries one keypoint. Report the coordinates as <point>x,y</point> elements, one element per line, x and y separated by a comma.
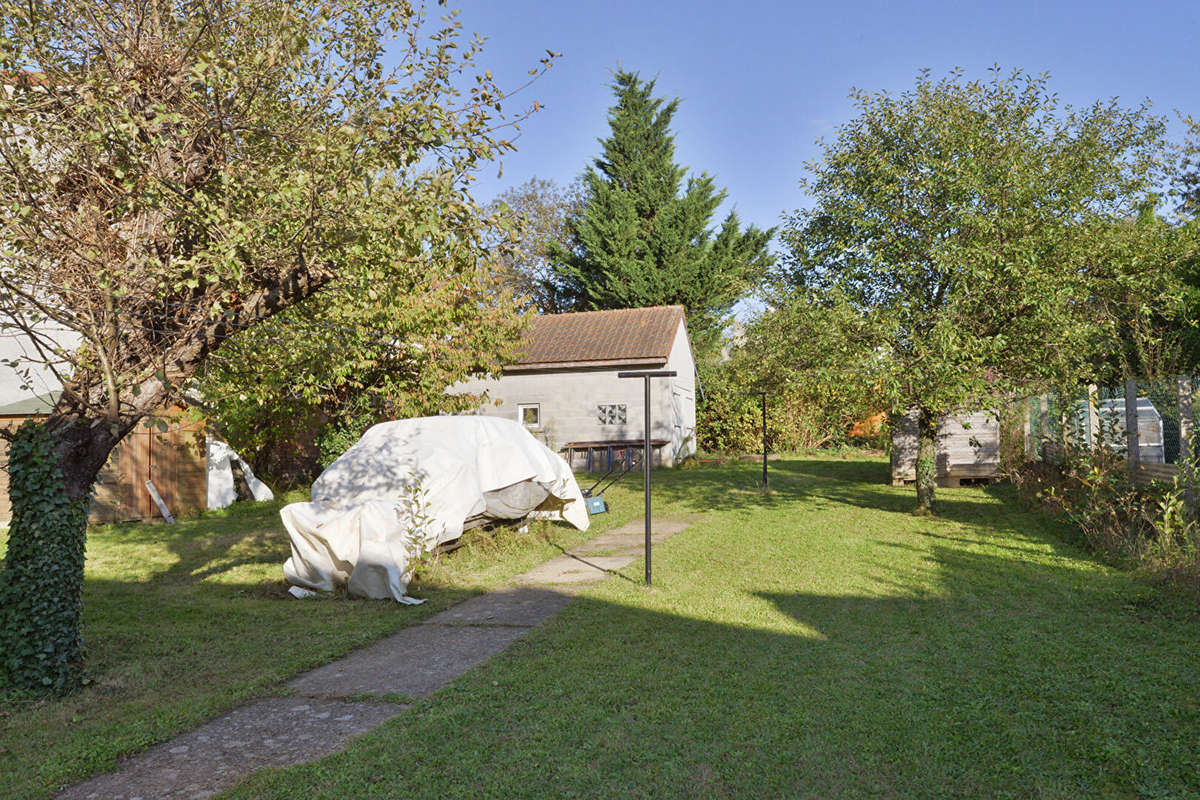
<point>221,491</point>
<point>407,486</point>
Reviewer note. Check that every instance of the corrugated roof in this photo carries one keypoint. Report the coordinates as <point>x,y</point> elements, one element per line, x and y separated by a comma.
<point>601,338</point>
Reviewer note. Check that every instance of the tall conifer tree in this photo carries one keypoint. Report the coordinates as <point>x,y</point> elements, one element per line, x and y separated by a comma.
<point>640,240</point>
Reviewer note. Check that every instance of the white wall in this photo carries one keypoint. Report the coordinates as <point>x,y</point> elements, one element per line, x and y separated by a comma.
<point>682,396</point>
<point>15,346</point>
<point>569,401</point>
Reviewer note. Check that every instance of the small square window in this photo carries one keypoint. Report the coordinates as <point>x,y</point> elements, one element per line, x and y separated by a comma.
<point>530,414</point>
<point>611,413</point>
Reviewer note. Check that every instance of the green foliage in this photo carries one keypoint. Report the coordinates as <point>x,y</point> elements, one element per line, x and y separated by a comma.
<point>970,226</point>
<point>312,379</point>
<point>808,356</point>
<point>541,210</point>
<point>801,415</point>
<point>1152,526</point>
<point>1187,180</point>
<point>41,580</point>
<point>173,173</point>
<point>210,169</point>
<point>1144,277</point>
<point>728,418</point>
<point>643,237</point>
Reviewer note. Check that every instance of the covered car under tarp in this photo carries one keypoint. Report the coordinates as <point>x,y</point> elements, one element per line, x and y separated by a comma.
<point>408,486</point>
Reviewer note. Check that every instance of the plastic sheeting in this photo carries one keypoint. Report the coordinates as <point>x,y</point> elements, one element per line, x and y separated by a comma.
<point>407,486</point>
<point>221,491</point>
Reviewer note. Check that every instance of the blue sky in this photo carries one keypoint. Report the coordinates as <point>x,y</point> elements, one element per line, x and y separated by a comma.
<point>761,81</point>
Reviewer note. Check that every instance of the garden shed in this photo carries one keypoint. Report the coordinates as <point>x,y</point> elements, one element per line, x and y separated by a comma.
<point>190,469</point>
<point>968,448</point>
<point>564,387</point>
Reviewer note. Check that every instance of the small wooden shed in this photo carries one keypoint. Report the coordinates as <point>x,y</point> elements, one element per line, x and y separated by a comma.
<point>175,459</point>
<point>968,449</point>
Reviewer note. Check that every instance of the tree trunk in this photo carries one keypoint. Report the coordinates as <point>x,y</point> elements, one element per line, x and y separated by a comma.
<point>52,468</point>
<point>41,583</point>
<point>926,461</point>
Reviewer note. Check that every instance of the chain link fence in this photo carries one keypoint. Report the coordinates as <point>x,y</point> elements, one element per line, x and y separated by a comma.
<point>1098,417</point>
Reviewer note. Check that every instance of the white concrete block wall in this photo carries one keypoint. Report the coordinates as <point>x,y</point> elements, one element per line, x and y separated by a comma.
<point>569,401</point>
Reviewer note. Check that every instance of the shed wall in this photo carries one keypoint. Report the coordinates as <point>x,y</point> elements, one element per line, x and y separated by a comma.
<point>570,400</point>
<point>968,447</point>
<point>683,395</point>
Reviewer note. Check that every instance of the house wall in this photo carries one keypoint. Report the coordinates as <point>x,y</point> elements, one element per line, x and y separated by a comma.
<point>570,401</point>
<point>30,377</point>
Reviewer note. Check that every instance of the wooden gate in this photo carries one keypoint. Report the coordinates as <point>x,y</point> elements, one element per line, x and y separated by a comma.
<point>174,459</point>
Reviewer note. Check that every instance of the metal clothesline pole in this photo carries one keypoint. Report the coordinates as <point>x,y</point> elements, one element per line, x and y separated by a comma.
<point>763,396</point>
<point>646,376</point>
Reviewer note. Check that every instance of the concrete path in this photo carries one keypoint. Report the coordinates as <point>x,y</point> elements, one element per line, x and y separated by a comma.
<point>334,703</point>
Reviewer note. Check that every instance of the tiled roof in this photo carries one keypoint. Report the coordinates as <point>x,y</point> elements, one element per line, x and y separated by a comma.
<point>641,336</point>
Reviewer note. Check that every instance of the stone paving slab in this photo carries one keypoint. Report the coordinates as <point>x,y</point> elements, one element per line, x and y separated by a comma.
<point>520,605</point>
<point>266,733</point>
<point>630,539</point>
<point>415,661</point>
<point>575,569</point>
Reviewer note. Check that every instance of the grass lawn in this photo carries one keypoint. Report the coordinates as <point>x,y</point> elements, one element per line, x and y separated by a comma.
<point>818,642</point>
<point>184,622</point>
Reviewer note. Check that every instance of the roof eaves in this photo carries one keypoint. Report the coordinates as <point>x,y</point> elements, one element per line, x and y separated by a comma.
<point>541,366</point>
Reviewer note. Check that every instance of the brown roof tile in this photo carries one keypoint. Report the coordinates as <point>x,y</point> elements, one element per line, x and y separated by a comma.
<point>601,338</point>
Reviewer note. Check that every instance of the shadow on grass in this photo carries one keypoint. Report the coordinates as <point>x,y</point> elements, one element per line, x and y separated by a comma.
<point>1018,679</point>
<point>1014,677</point>
<point>991,512</point>
<point>988,513</point>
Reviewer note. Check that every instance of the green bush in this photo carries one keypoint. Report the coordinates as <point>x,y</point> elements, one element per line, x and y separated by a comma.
<point>801,415</point>
<point>1144,525</point>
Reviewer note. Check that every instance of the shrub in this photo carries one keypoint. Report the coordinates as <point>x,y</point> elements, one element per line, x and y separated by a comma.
<point>801,414</point>
<point>1150,526</point>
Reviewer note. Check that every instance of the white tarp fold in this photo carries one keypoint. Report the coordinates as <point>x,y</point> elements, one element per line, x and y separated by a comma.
<point>407,486</point>
<point>221,491</point>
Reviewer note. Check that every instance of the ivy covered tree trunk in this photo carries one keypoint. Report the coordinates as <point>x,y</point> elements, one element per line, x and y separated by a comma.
<point>926,461</point>
<point>41,583</point>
